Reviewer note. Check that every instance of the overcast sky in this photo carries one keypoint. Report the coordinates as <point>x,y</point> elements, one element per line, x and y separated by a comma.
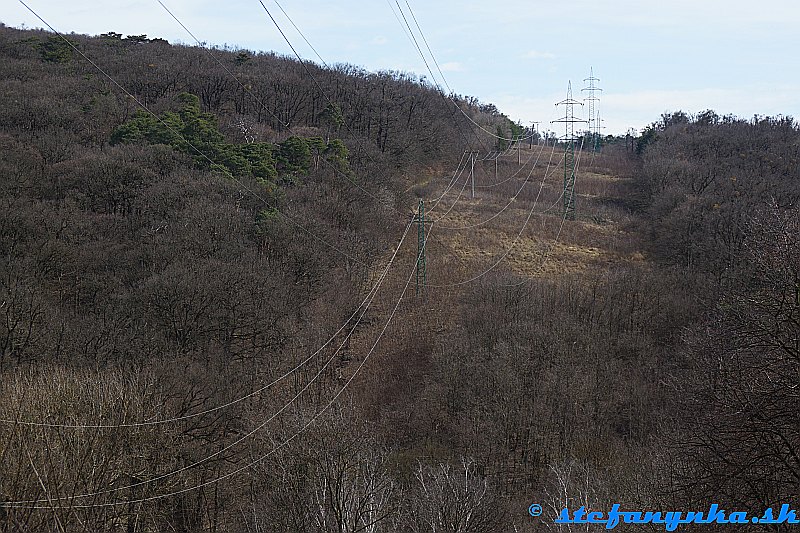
<point>737,57</point>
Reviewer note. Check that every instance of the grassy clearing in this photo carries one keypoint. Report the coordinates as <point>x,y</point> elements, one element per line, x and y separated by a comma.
<point>599,239</point>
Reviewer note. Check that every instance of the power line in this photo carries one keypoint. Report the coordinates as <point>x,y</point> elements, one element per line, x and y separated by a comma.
<point>569,122</point>
<point>366,301</point>
<point>219,407</point>
<point>460,192</point>
<point>592,100</point>
<point>433,77</point>
<point>220,63</point>
<point>300,32</point>
<point>325,161</point>
<point>506,180</point>
<point>443,77</point>
<point>396,16</point>
<point>321,59</point>
<point>503,256</point>
<point>374,293</point>
<point>456,175</point>
<point>510,201</point>
<point>324,94</point>
<point>314,418</point>
<point>413,16</point>
<point>172,130</point>
<point>547,253</point>
<point>308,71</point>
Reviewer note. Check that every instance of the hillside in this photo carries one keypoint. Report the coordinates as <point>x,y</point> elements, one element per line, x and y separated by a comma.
<point>208,318</point>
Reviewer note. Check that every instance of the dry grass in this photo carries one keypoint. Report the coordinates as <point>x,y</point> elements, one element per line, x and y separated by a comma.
<point>597,240</point>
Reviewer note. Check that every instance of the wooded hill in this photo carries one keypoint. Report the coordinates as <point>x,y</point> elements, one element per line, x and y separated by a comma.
<point>157,269</point>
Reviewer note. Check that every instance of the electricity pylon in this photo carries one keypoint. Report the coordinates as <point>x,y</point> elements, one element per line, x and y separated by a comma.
<point>594,116</point>
<point>569,121</point>
<point>533,131</point>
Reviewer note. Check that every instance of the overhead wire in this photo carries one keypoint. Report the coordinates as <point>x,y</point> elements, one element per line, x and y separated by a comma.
<point>507,179</point>
<point>283,34</point>
<point>172,420</point>
<point>460,193</point>
<point>396,16</point>
<point>546,255</point>
<point>300,32</point>
<point>294,50</point>
<point>552,245</point>
<point>221,64</point>
<point>230,403</point>
<point>219,407</point>
<point>442,74</point>
<point>560,196</point>
<point>197,150</point>
<point>433,77</point>
<point>452,182</point>
<point>336,170</point>
<point>456,176</point>
<point>336,396</point>
<point>510,201</point>
<point>33,504</point>
<point>507,251</point>
<point>259,427</point>
<point>303,63</point>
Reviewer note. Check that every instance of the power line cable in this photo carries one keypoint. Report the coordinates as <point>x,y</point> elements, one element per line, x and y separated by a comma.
<point>197,150</point>
<point>324,160</point>
<point>220,407</point>
<point>509,178</point>
<point>553,244</point>
<point>220,63</point>
<point>308,71</point>
<point>505,254</point>
<point>456,176</point>
<point>463,187</point>
<point>301,33</point>
<point>210,410</point>
<point>219,452</point>
<point>433,77</point>
<point>460,193</point>
<point>510,201</point>
<point>323,61</point>
<point>442,74</point>
<point>317,84</point>
<point>314,418</point>
<point>325,95</point>
<point>396,16</point>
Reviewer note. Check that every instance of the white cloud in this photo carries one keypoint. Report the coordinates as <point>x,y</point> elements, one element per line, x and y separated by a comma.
<point>380,40</point>
<point>535,54</point>
<point>452,66</point>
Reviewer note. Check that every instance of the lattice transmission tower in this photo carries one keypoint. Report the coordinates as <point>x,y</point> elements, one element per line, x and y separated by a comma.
<point>569,122</point>
<point>592,101</point>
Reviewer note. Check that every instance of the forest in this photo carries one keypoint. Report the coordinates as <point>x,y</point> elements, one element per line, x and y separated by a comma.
<point>192,244</point>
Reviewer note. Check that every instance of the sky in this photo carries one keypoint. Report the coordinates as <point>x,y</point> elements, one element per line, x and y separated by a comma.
<point>651,57</point>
